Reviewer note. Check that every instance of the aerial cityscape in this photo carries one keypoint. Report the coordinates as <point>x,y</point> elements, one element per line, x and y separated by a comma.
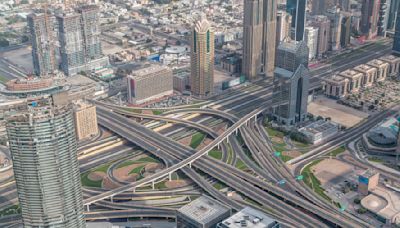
<point>199,113</point>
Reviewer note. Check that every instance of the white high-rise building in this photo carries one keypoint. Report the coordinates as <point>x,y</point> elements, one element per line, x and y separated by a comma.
<point>311,39</point>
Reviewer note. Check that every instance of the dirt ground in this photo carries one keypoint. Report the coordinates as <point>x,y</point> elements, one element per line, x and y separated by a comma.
<point>331,170</point>
<point>205,142</point>
<point>96,176</point>
<point>277,140</point>
<point>341,114</point>
<point>176,183</point>
<point>292,153</point>
<point>185,141</point>
<point>109,184</point>
<point>122,174</point>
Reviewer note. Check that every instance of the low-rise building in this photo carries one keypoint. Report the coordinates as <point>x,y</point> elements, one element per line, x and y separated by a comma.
<point>382,69</point>
<point>369,74</point>
<point>394,65</point>
<point>85,120</point>
<point>319,131</point>
<point>232,64</point>
<point>181,81</point>
<point>355,79</point>
<point>336,86</point>
<point>384,203</point>
<point>249,218</point>
<point>148,83</point>
<point>367,181</point>
<point>32,86</point>
<point>204,212</point>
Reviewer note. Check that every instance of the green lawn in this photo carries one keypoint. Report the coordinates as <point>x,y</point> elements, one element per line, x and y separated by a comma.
<point>219,185</point>
<point>137,170</point>
<point>3,79</point>
<point>375,159</point>
<point>139,161</point>
<point>215,154</point>
<point>274,133</point>
<point>133,110</point>
<point>286,158</point>
<point>160,185</point>
<point>312,181</point>
<point>157,112</point>
<point>12,210</point>
<point>240,164</point>
<point>197,139</point>
<point>88,182</point>
<point>337,151</point>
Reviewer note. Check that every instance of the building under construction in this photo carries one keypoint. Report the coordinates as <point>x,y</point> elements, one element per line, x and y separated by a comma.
<point>42,30</point>
<point>79,37</point>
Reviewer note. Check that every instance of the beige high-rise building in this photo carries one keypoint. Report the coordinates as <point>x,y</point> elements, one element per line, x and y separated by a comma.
<point>283,20</point>
<point>252,38</point>
<point>259,38</point>
<point>269,35</point>
<point>85,120</point>
<point>323,24</point>
<point>202,59</point>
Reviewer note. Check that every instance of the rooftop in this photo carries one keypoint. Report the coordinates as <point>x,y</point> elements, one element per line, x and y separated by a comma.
<point>204,210</point>
<point>390,58</point>
<point>364,67</point>
<point>336,78</point>
<point>148,70</point>
<point>250,218</point>
<point>350,73</point>
<point>376,62</point>
<point>383,202</point>
<point>369,173</point>
<point>319,126</point>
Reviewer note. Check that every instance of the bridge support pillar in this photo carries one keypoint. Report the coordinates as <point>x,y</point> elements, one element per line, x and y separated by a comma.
<point>190,165</point>
<point>88,207</point>
<point>112,199</point>
<point>236,131</point>
<point>218,146</point>
<point>170,176</point>
<point>152,185</point>
<point>134,190</point>
<point>255,118</point>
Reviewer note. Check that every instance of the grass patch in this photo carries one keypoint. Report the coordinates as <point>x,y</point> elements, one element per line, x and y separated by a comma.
<point>139,161</point>
<point>160,185</point>
<point>230,155</point>
<point>375,159</point>
<point>286,158</point>
<point>12,210</point>
<point>139,111</point>
<point>90,183</point>
<point>137,170</point>
<point>157,112</point>
<point>102,168</point>
<point>274,133</point>
<point>240,164</point>
<point>337,151</point>
<point>219,185</point>
<point>311,181</point>
<point>3,79</point>
<point>197,139</point>
<point>215,154</point>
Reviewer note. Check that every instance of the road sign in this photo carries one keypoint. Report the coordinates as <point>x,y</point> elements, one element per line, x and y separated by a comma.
<point>281,182</point>
<point>300,177</point>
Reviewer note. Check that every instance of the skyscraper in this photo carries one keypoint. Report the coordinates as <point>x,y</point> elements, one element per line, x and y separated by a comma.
<point>202,59</point>
<point>318,7</point>
<point>297,8</point>
<point>335,16</point>
<point>291,83</point>
<point>396,39</point>
<point>41,28</point>
<point>369,18</point>
<point>72,49</point>
<point>252,38</point>
<point>311,39</point>
<point>393,6</point>
<point>383,17</point>
<point>323,24</point>
<point>79,37</point>
<point>44,153</point>
<point>283,20</point>
<point>345,30</point>
<point>269,34</point>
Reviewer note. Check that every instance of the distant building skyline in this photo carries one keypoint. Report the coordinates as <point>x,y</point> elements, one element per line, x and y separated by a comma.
<point>297,8</point>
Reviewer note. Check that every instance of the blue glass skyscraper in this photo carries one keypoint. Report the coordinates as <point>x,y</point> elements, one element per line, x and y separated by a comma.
<point>297,8</point>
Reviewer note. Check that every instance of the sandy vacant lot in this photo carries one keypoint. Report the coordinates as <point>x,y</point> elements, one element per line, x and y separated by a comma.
<point>341,114</point>
<point>331,171</point>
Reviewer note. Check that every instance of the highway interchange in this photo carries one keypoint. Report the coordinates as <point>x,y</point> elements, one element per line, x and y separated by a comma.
<point>293,203</point>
